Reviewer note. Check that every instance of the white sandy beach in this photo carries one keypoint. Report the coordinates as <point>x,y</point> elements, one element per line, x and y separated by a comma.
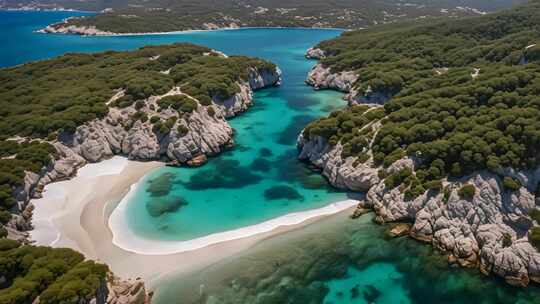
<point>77,214</point>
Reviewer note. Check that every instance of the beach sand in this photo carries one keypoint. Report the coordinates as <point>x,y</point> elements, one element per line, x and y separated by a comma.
<point>75,214</point>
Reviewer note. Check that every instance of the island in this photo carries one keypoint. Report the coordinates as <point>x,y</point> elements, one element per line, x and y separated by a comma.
<point>442,132</point>
<point>167,103</point>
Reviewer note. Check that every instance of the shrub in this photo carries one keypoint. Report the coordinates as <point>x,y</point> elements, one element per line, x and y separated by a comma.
<point>4,216</point>
<point>511,184</point>
<point>7,244</point>
<point>534,237</point>
<point>535,214</point>
<point>180,103</point>
<point>139,105</point>
<point>154,119</point>
<point>211,111</point>
<point>182,130</point>
<point>3,232</point>
<point>467,191</point>
<point>434,185</point>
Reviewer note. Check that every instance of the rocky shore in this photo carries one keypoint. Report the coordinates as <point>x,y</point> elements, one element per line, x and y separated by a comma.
<point>65,28</point>
<point>488,231</point>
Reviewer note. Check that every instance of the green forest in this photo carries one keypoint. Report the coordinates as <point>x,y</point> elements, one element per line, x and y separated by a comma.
<point>59,94</point>
<point>466,97</point>
<point>55,275</point>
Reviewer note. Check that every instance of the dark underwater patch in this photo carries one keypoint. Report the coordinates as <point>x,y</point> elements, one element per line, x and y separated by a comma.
<point>371,294</point>
<point>261,165</point>
<point>302,102</point>
<point>282,192</point>
<point>159,207</point>
<point>265,152</point>
<point>227,173</point>
<point>291,132</point>
<point>161,185</point>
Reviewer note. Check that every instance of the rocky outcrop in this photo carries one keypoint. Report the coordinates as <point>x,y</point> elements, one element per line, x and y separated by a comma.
<point>127,292</point>
<point>321,77</point>
<point>66,28</point>
<point>488,231</point>
<point>341,173</point>
<point>315,53</point>
<point>204,133</point>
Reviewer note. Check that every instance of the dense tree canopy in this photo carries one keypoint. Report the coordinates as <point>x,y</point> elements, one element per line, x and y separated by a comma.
<point>442,110</point>
<point>62,93</point>
<point>55,275</point>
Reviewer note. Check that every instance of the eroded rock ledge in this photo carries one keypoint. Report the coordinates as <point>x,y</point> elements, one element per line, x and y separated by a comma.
<point>321,77</point>
<point>487,231</point>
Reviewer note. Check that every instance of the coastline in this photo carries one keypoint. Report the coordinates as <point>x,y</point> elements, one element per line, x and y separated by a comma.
<point>124,238</point>
<point>75,214</point>
<point>68,10</point>
<point>41,31</point>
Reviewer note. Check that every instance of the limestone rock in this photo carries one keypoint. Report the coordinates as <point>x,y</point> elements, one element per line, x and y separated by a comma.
<point>197,161</point>
<point>484,230</point>
<point>322,78</point>
<point>127,292</point>
<point>400,229</point>
<point>341,173</point>
<point>315,53</point>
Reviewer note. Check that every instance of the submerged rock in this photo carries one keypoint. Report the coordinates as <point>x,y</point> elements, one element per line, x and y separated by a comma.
<point>159,207</point>
<point>282,192</point>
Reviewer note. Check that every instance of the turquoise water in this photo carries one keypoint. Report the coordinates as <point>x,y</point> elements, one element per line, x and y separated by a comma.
<point>258,180</point>
<point>380,282</point>
<point>339,261</point>
<point>335,261</point>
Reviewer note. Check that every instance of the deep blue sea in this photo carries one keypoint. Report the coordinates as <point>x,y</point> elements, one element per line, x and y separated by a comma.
<point>339,261</point>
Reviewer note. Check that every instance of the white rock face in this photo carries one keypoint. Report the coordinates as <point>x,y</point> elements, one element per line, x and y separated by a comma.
<point>473,232</point>
<point>100,139</point>
<point>65,28</point>
<point>322,78</point>
<point>315,53</point>
<point>341,173</point>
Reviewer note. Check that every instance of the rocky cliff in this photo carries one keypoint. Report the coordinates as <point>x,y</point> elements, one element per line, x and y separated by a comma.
<point>321,77</point>
<point>488,230</point>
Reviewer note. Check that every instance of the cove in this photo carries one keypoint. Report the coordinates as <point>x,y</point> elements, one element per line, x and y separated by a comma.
<point>256,181</point>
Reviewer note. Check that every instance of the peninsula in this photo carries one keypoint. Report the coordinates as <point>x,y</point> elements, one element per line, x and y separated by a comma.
<point>442,133</point>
